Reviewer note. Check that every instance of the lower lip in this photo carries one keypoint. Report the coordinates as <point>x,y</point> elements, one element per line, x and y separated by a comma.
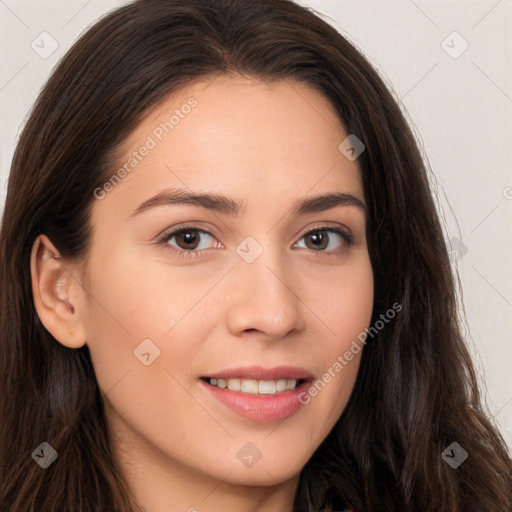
<point>260,408</point>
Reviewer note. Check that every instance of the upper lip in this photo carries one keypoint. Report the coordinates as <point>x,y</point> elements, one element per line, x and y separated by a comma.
<point>259,373</point>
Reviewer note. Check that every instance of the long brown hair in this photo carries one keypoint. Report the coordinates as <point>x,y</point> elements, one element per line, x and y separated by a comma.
<point>416,391</point>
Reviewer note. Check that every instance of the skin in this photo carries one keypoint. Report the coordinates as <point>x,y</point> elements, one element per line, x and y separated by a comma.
<point>266,146</point>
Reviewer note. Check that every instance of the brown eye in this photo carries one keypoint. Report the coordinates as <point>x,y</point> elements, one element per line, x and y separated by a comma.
<point>191,240</point>
<point>187,239</point>
<point>319,240</point>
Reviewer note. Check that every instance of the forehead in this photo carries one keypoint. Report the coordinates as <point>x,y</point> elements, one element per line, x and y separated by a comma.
<point>240,135</point>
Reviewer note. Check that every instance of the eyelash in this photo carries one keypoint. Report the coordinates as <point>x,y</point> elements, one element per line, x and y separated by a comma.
<point>182,253</point>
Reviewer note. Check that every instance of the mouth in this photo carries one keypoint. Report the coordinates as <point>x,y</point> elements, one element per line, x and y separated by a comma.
<point>258,394</point>
<point>254,386</point>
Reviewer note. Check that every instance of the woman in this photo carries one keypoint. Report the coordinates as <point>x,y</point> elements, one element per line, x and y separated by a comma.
<point>225,284</point>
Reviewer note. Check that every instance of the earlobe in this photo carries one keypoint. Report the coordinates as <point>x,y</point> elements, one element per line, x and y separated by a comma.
<point>56,294</point>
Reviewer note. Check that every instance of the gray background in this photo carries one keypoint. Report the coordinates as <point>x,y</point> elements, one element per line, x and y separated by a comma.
<point>458,99</point>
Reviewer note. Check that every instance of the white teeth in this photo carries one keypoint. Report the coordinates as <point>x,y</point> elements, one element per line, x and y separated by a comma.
<point>291,383</point>
<point>267,387</point>
<point>255,387</point>
<point>281,385</point>
<point>234,384</point>
<point>249,386</point>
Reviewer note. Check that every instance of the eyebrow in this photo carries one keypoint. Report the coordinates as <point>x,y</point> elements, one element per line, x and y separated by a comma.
<point>227,206</point>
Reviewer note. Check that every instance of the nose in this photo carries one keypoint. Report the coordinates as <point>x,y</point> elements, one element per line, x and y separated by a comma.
<point>265,298</point>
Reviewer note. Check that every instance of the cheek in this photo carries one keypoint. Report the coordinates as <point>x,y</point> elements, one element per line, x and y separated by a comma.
<point>133,300</point>
<point>345,307</point>
<point>343,301</point>
<point>124,310</point>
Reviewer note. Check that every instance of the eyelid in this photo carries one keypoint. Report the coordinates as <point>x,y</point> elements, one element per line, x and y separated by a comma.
<point>325,226</point>
<point>196,225</point>
<point>192,225</point>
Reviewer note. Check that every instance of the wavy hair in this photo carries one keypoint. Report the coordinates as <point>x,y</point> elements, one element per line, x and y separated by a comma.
<point>416,391</point>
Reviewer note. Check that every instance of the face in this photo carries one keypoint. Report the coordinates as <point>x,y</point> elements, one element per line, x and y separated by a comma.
<point>212,259</point>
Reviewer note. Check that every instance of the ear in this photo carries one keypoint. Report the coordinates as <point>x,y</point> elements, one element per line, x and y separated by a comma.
<point>57,294</point>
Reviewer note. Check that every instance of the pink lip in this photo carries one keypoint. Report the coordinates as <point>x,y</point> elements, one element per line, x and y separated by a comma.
<point>261,408</point>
